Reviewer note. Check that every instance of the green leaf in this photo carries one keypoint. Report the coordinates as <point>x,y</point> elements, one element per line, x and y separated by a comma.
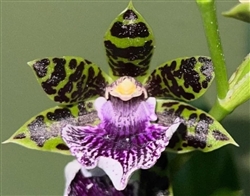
<point>69,79</point>
<point>184,78</point>
<point>129,44</point>
<point>240,12</point>
<point>198,130</point>
<point>239,84</point>
<point>43,131</point>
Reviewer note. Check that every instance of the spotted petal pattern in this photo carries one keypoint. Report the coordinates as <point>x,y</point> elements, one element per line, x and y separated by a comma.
<point>123,142</point>
<point>69,79</point>
<point>129,45</point>
<point>197,131</point>
<point>43,131</point>
<point>184,78</point>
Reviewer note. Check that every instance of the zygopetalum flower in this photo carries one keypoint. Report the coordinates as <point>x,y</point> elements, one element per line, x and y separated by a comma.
<point>125,139</point>
<point>123,122</point>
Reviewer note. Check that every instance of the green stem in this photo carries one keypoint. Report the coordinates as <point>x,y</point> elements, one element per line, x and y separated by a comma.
<point>208,13</point>
<point>218,112</point>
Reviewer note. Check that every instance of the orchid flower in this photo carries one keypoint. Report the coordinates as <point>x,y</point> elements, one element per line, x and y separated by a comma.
<point>123,121</point>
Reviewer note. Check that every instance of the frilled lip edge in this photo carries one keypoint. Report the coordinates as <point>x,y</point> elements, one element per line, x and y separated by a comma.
<point>83,182</point>
<point>123,142</point>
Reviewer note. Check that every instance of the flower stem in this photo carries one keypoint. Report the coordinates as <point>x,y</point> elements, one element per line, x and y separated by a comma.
<point>218,112</point>
<point>208,13</point>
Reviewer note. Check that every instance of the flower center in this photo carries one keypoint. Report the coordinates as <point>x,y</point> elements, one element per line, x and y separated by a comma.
<point>125,88</point>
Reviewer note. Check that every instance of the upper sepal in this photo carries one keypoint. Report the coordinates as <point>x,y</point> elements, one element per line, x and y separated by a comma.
<point>129,45</point>
<point>184,78</point>
<point>69,79</point>
<point>43,131</point>
<point>198,130</point>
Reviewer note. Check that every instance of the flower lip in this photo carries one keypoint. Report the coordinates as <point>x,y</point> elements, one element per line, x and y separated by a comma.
<point>125,88</point>
<point>124,141</point>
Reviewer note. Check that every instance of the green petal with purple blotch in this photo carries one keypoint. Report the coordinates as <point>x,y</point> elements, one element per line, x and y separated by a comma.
<point>184,78</point>
<point>43,131</point>
<point>129,45</point>
<point>69,79</point>
<point>197,131</point>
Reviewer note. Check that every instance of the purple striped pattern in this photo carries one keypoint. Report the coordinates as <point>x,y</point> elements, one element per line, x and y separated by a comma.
<point>123,142</point>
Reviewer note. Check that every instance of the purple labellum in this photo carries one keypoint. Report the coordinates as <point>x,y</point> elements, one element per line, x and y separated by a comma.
<point>82,182</point>
<point>125,140</point>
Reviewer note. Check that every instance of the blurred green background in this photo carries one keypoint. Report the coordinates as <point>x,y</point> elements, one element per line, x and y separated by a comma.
<point>35,29</point>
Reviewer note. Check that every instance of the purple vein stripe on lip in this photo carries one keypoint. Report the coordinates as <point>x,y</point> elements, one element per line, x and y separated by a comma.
<point>123,142</point>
